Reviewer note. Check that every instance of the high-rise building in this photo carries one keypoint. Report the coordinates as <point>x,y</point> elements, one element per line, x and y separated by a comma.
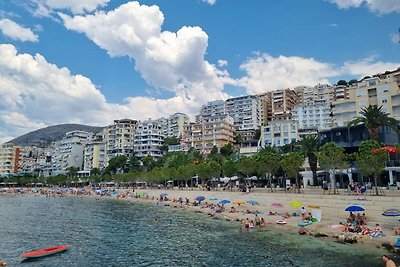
<point>69,152</point>
<point>245,111</point>
<point>279,133</point>
<point>174,125</point>
<point>278,105</point>
<point>209,132</point>
<point>212,109</point>
<point>381,90</point>
<point>95,155</point>
<point>119,138</point>
<point>9,159</point>
<point>149,139</point>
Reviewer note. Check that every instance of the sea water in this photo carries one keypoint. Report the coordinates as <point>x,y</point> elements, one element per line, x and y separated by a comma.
<point>107,232</point>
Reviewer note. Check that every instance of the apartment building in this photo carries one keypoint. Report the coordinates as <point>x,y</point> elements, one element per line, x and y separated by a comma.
<point>313,117</point>
<point>95,155</point>
<point>9,159</point>
<point>209,132</point>
<point>278,105</point>
<point>212,109</point>
<point>29,160</point>
<point>119,138</point>
<point>68,152</point>
<point>149,139</point>
<point>279,133</point>
<point>381,90</point>
<point>174,125</point>
<point>245,111</point>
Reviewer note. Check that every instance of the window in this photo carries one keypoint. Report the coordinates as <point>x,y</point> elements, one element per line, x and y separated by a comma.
<point>384,100</point>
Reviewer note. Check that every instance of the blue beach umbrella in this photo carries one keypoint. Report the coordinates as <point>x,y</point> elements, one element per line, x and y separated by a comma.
<point>163,195</point>
<point>224,201</point>
<point>213,198</point>
<point>252,202</point>
<point>354,208</point>
<point>391,212</point>
<point>200,198</point>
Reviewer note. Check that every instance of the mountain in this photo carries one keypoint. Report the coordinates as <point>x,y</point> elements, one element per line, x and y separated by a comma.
<point>45,136</point>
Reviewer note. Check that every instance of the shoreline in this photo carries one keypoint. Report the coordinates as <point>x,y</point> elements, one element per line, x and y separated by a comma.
<point>317,230</point>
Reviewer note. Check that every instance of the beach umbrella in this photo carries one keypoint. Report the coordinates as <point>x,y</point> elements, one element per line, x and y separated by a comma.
<point>200,198</point>
<point>313,206</point>
<point>354,208</point>
<point>213,198</point>
<point>252,202</point>
<point>296,204</point>
<point>224,201</point>
<point>163,195</point>
<point>239,202</point>
<point>277,205</point>
<point>391,212</point>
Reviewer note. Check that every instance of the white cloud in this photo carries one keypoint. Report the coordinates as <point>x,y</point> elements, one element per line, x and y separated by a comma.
<point>378,6</point>
<point>36,93</point>
<point>333,25</point>
<point>16,32</point>
<point>222,63</point>
<point>367,67</point>
<point>266,73</point>
<point>211,2</point>
<point>45,8</point>
<point>167,60</point>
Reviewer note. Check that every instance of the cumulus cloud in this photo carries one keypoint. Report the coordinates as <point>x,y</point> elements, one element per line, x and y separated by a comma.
<point>266,73</point>
<point>211,2</point>
<point>377,6</point>
<point>36,93</point>
<point>16,32</point>
<point>172,61</point>
<point>367,66</point>
<point>45,8</point>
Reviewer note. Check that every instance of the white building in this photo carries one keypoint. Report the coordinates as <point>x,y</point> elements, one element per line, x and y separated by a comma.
<point>279,133</point>
<point>95,156</point>
<point>69,152</point>
<point>149,139</point>
<point>245,111</point>
<point>119,138</point>
<point>174,125</point>
<point>313,117</point>
<point>212,109</point>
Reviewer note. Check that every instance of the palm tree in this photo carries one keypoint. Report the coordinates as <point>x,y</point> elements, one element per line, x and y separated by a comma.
<point>309,147</point>
<point>373,117</point>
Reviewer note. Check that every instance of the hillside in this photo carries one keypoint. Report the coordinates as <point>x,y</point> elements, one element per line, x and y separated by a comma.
<point>45,136</point>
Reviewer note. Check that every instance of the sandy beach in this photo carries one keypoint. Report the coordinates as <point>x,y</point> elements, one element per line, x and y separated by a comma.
<point>332,208</point>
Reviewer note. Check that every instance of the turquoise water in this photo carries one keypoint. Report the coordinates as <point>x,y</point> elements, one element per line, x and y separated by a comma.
<point>115,233</point>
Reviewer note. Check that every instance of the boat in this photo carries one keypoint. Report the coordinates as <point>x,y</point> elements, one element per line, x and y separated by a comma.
<point>45,251</point>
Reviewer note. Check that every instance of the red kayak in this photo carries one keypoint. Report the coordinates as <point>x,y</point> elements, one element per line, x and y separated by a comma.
<point>45,251</point>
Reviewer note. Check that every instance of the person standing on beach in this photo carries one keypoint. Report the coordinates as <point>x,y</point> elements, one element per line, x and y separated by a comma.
<point>303,213</point>
<point>388,261</point>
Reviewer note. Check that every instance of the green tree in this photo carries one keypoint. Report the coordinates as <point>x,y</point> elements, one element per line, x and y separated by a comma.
<point>268,164</point>
<point>342,82</point>
<point>353,81</point>
<point>148,163</point>
<point>373,117</point>
<point>371,160</point>
<point>309,147</point>
<point>169,141</point>
<point>95,171</point>
<point>72,171</point>
<point>247,166</point>
<point>331,157</point>
<point>291,164</point>
<point>134,163</point>
<point>227,150</point>
<point>116,164</point>
<point>229,168</point>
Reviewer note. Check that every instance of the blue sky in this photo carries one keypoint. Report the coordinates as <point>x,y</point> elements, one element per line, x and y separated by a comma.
<point>93,61</point>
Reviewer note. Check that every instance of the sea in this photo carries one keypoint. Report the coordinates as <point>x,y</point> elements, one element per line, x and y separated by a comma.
<point>107,232</point>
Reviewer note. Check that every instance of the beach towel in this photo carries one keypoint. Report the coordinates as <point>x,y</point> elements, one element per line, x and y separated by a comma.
<point>377,235</point>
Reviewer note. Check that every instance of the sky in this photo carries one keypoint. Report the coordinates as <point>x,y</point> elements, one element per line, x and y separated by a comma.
<point>94,61</point>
